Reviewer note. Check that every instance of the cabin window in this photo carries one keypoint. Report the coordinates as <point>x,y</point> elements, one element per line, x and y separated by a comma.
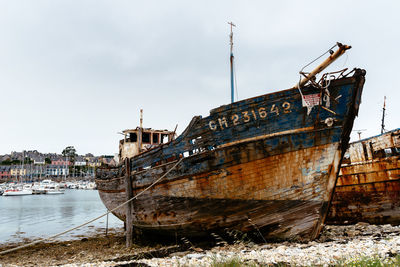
<point>164,138</point>
<point>346,158</point>
<point>155,138</point>
<point>379,153</point>
<point>132,137</point>
<point>388,152</point>
<point>146,137</point>
<point>393,151</point>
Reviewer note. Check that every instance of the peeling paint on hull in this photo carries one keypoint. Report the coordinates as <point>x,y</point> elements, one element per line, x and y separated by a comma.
<point>261,164</point>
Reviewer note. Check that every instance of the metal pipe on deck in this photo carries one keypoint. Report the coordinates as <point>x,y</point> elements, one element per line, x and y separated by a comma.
<point>342,49</point>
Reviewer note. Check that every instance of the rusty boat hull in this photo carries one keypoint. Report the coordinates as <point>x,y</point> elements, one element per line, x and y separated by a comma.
<point>266,165</point>
<point>368,188</point>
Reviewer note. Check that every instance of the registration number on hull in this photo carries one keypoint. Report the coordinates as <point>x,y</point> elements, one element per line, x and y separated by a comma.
<point>249,115</point>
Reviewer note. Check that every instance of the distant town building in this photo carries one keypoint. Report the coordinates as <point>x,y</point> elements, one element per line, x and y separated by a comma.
<point>17,171</point>
<point>61,161</point>
<point>5,158</point>
<point>5,173</point>
<point>108,160</point>
<point>38,160</point>
<point>80,161</point>
<point>94,163</point>
<point>56,170</point>
<point>38,165</point>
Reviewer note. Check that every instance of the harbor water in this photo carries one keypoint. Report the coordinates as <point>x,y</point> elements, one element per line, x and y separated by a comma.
<point>41,216</point>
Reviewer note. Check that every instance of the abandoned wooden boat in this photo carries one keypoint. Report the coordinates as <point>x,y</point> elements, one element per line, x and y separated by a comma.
<point>368,187</point>
<point>266,165</point>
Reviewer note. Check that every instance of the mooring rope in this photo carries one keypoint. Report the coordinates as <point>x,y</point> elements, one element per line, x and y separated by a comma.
<point>88,222</point>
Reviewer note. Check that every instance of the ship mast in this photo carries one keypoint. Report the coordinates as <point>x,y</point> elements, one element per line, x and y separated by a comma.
<point>22,167</point>
<point>231,59</point>
<point>141,118</point>
<point>383,115</point>
<point>140,132</point>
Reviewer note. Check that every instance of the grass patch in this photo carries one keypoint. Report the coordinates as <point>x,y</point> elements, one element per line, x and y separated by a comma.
<point>232,262</point>
<point>370,262</point>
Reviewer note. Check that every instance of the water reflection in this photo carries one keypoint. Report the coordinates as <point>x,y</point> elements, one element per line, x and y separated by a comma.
<point>36,216</point>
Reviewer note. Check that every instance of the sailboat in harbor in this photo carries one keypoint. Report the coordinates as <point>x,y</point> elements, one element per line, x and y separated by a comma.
<point>19,189</point>
<point>51,188</point>
<point>265,165</point>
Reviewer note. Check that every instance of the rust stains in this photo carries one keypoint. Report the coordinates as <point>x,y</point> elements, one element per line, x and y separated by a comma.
<point>368,188</point>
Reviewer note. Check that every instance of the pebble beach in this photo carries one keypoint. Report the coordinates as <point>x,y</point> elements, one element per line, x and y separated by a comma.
<point>337,246</point>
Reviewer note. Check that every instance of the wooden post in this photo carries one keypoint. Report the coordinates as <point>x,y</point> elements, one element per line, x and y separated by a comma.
<point>129,195</point>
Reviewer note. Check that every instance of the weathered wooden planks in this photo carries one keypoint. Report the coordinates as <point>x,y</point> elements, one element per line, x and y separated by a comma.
<point>368,188</point>
<point>296,197</point>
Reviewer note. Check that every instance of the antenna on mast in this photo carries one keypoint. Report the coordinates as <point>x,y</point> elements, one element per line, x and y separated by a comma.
<point>383,116</point>
<point>140,137</point>
<point>231,59</point>
<point>141,118</point>
<point>359,132</point>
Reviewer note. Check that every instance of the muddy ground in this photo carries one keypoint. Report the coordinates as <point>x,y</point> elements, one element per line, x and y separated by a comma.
<point>96,248</point>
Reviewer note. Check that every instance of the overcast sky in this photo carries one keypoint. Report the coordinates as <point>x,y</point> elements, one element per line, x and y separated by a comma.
<point>77,72</point>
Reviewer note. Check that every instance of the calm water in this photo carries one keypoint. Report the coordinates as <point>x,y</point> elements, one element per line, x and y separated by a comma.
<point>36,216</point>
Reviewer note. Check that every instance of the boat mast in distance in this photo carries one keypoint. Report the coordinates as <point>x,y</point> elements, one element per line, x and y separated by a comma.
<point>231,59</point>
<point>383,116</point>
<point>140,132</point>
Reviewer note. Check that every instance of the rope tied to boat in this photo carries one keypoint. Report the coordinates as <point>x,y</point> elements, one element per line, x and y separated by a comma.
<point>95,219</point>
<point>327,95</point>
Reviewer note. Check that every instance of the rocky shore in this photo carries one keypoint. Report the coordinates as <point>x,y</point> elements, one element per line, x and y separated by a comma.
<point>337,245</point>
